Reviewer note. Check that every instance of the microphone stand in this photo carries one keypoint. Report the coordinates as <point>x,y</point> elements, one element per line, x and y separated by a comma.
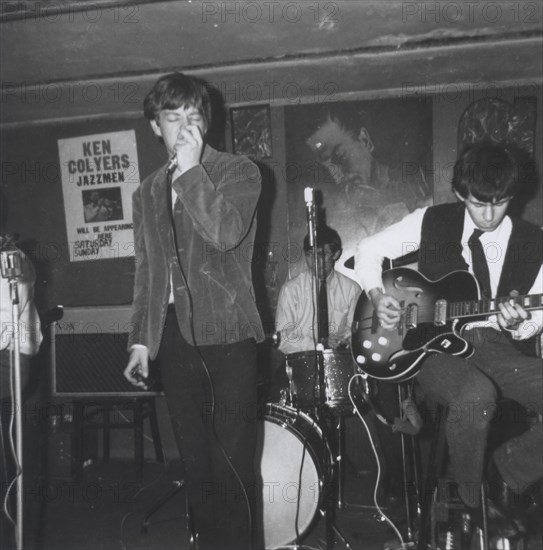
<point>312,232</point>
<point>11,270</point>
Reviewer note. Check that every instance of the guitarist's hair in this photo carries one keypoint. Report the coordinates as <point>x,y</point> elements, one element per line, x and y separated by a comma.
<point>490,172</point>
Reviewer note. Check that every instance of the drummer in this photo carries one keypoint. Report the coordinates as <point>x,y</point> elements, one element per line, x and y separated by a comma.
<point>295,317</point>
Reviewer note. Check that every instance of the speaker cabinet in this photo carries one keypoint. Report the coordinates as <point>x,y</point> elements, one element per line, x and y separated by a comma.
<point>89,353</point>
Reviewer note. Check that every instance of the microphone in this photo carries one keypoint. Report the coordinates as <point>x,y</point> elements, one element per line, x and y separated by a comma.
<point>172,165</point>
<point>11,262</point>
<point>310,205</point>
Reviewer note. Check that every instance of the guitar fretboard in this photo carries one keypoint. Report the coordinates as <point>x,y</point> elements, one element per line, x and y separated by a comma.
<point>489,306</point>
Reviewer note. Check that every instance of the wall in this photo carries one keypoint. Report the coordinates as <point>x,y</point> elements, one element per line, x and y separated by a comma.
<point>31,183</point>
<point>448,108</point>
<point>32,186</point>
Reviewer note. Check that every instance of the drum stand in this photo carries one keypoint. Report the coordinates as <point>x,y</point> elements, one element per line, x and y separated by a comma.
<point>177,487</point>
<point>337,475</point>
<point>333,429</point>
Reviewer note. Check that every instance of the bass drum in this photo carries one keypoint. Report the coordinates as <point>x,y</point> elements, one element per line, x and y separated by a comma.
<point>295,461</point>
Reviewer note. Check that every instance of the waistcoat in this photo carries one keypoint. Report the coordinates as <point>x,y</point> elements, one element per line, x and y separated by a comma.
<point>440,250</point>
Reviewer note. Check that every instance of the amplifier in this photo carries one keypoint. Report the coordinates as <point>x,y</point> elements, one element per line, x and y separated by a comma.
<point>89,353</point>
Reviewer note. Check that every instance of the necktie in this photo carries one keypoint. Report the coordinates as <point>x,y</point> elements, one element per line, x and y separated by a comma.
<point>478,261</point>
<point>323,311</point>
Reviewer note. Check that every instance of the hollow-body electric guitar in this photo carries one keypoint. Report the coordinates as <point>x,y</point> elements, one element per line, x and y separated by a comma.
<point>433,314</point>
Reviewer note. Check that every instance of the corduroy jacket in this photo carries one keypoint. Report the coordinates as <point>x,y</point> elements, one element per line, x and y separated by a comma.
<point>215,226</point>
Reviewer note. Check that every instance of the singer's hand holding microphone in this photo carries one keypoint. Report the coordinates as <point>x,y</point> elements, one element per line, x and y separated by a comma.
<point>188,149</point>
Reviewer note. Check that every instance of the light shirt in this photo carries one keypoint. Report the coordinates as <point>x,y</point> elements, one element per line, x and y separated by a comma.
<point>171,298</point>
<point>295,316</point>
<point>403,237</point>
<point>30,335</point>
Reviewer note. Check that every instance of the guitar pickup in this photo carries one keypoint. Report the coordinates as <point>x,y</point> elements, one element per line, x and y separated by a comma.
<point>411,316</point>
<point>440,313</point>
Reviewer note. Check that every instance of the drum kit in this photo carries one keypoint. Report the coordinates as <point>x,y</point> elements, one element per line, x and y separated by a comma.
<point>301,437</point>
<point>300,446</point>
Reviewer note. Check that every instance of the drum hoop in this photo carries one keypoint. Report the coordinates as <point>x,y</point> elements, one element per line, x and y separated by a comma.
<point>322,463</point>
<point>326,353</point>
<point>317,451</point>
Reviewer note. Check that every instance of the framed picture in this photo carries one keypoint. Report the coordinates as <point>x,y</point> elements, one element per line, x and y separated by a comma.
<point>499,121</point>
<point>369,162</point>
<point>251,131</point>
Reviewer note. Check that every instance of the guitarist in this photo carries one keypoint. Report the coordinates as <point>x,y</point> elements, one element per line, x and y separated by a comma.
<point>485,180</point>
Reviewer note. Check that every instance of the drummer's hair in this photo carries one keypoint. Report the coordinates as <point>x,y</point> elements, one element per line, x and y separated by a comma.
<point>325,235</point>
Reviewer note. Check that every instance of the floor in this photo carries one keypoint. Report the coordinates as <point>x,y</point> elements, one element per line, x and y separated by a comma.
<point>107,509</point>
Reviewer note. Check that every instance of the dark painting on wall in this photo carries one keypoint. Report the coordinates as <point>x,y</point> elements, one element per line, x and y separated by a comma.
<point>251,131</point>
<point>369,162</point>
<point>499,121</point>
<point>511,123</point>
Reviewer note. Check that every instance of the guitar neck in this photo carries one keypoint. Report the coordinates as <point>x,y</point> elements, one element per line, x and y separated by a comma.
<point>490,306</point>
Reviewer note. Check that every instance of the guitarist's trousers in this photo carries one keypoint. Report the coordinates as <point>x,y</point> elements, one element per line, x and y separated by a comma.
<point>469,389</point>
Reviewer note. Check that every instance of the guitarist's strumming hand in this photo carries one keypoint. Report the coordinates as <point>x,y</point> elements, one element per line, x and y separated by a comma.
<point>386,307</point>
<point>512,314</point>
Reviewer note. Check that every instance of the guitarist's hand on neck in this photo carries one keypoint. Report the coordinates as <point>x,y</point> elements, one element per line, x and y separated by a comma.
<point>386,307</point>
<point>512,314</point>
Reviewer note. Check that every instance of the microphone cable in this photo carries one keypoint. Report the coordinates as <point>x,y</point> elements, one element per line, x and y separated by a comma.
<point>169,188</point>
<point>403,543</point>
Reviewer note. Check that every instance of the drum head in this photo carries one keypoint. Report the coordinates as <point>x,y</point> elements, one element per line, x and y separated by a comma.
<point>290,477</point>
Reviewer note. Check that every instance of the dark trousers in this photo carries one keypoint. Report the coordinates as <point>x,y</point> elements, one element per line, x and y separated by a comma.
<point>213,409</point>
<point>469,389</point>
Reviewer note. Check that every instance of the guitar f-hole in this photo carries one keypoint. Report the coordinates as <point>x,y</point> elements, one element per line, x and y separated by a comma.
<point>398,284</point>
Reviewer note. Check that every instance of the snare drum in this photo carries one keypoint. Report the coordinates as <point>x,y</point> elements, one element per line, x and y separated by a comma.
<point>302,372</point>
<point>294,462</point>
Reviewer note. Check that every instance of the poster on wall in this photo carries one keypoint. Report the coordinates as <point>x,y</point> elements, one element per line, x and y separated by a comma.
<point>99,174</point>
<point>368,162</point>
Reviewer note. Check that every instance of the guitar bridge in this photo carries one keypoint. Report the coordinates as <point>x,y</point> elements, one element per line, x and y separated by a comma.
<point>440,313</point>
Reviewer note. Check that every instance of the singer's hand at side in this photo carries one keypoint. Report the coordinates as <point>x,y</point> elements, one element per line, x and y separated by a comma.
<point>138,362</point>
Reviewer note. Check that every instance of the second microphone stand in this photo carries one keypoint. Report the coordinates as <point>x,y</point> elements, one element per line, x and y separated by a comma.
<point>319,284</point>
<point>11,270</point>
<point>322,328</point>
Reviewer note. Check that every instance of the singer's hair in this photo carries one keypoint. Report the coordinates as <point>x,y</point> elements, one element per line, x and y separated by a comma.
<point>176,90</point>
<point>490,172</point>
<point>325,235</point>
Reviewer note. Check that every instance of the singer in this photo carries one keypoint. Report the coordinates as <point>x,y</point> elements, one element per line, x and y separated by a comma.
<point>194,309</point>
